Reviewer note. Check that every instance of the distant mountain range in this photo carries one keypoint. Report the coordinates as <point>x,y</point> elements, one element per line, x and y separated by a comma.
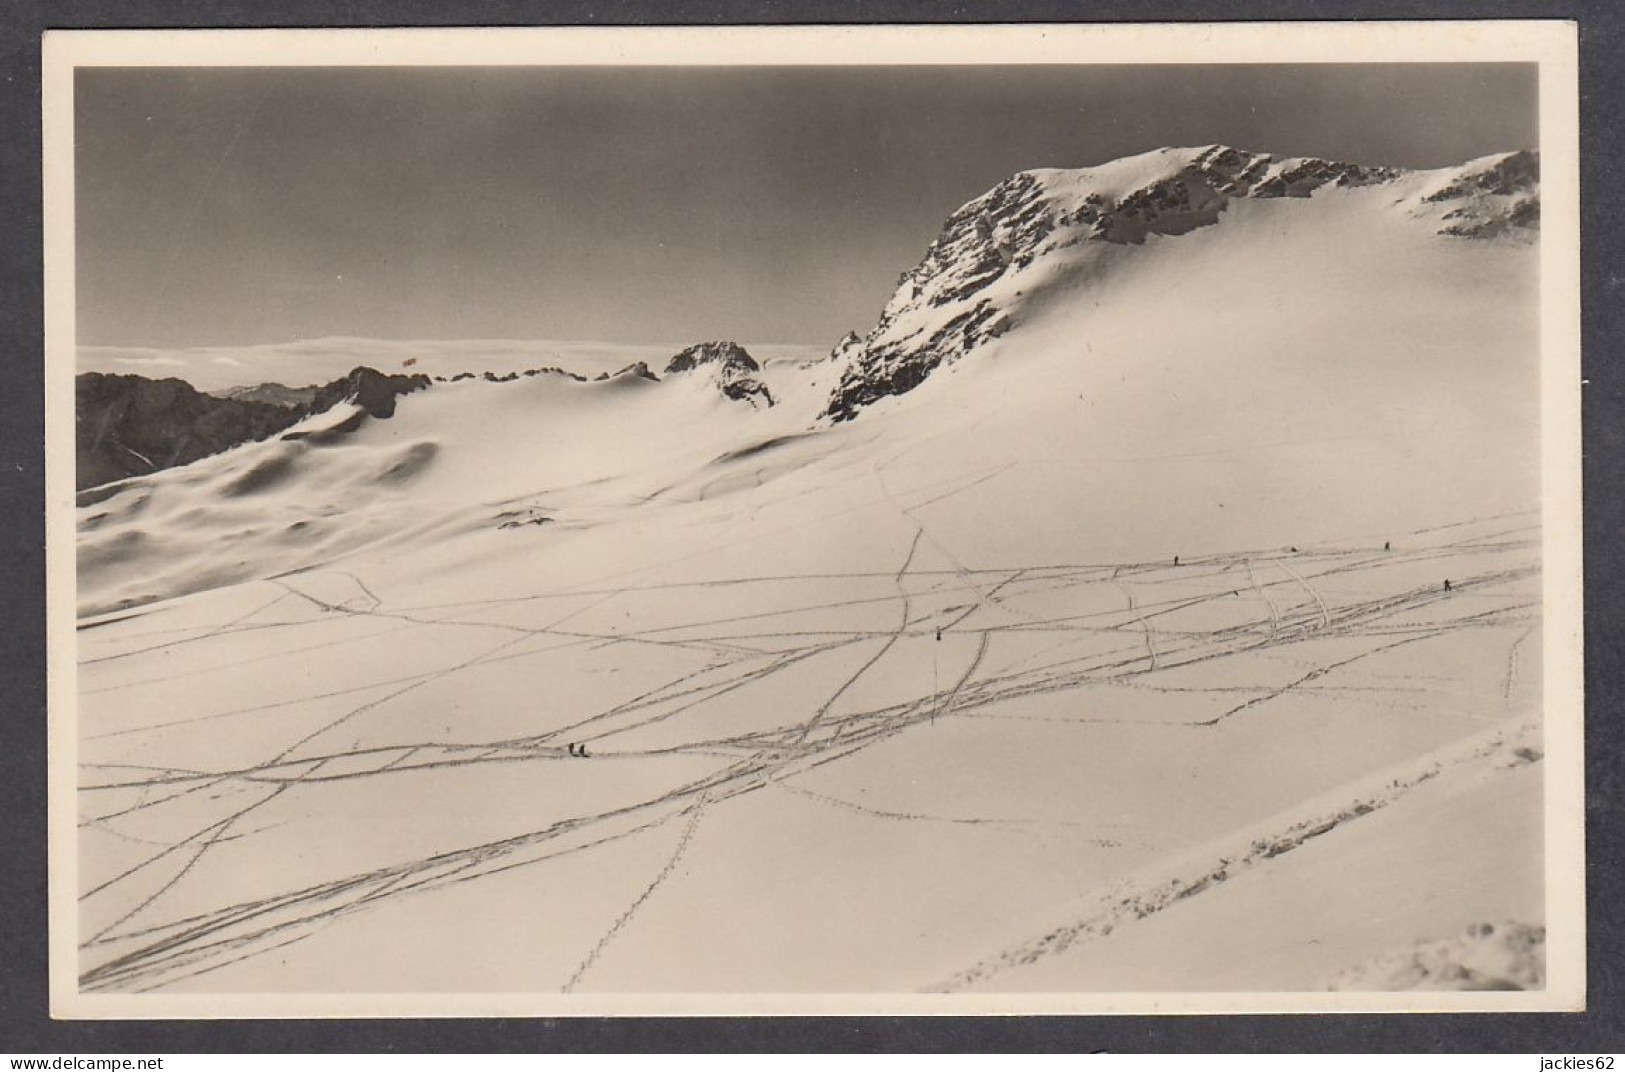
<point>271,394</point>
<point>130,425</point>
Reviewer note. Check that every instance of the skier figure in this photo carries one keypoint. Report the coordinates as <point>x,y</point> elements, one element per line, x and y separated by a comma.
<point>1387,546</point>
<point>1447,584</point>
<point>1176,560</point>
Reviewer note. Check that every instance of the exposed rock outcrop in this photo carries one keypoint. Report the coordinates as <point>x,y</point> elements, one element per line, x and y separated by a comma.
<point>734,368</point>
<point>368,388</point>
<point>722,353</point>
<point>1500,195</point>
<point>130,425</point>
<point>638,369</point>
<point>979,276</point>
<point>851,344</point>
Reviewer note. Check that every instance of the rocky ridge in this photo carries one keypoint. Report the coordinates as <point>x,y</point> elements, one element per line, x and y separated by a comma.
<point>272,394</point>
<point>735,370</point>
<point>942,307</point>
<point>129,425</point>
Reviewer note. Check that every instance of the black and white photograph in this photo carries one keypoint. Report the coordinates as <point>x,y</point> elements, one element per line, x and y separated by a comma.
<point>915,520</point>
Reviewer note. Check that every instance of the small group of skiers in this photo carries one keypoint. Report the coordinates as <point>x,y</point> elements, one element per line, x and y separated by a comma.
<point>1387,545</point>
<point>578,750</point>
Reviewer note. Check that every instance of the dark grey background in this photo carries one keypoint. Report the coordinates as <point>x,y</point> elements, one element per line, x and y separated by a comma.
<point>25,1027</point>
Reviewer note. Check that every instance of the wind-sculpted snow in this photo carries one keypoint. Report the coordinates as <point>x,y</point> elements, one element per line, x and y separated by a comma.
<point>1489,956</point>
<point>1040,229</point>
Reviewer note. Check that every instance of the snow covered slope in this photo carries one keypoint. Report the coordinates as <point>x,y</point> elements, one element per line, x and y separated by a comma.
<point>1002,254</point>
<point>1127,624</point>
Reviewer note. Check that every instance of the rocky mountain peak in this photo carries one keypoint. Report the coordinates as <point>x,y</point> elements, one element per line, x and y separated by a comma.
<point>722,352</point>
<point>1489,197</point>
<point>850,343</point>
<point>272,394</point>
<point>735,370</point>
<point>637,370</point>
<point>130,425</point>
<point>999,249</point>
<point>371,390</point>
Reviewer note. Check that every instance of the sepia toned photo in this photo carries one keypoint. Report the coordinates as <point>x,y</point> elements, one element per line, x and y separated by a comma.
<point>1040,519</point>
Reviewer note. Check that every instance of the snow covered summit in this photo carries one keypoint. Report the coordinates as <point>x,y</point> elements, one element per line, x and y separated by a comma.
<point>732,366</point>
<point>998,255</point>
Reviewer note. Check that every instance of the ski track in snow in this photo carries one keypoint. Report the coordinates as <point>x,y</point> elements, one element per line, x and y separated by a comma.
<point>141,949</point>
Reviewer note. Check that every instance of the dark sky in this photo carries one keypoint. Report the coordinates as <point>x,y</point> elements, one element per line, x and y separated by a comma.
<point>242,205</point>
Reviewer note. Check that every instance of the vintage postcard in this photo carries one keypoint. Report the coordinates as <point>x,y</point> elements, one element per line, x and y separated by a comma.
<point>732,521</point>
